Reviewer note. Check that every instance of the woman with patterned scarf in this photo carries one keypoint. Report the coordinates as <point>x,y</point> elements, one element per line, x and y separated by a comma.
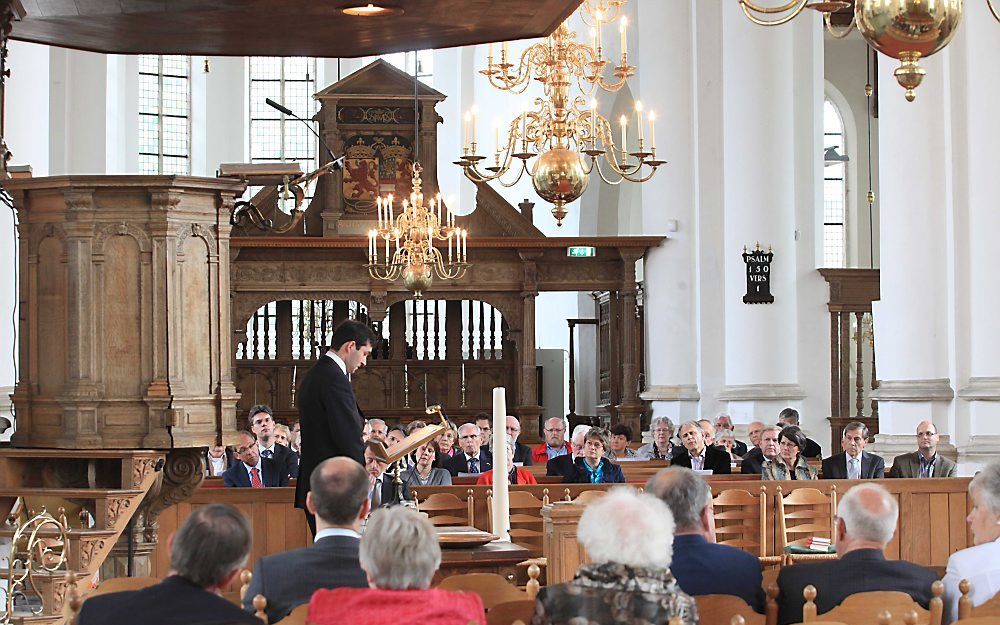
<point>594,467</point>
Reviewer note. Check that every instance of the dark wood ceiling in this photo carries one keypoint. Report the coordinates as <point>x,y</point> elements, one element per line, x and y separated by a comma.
<point>280,27</point>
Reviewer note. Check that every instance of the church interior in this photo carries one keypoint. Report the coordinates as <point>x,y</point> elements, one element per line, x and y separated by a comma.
<point>633,216</point>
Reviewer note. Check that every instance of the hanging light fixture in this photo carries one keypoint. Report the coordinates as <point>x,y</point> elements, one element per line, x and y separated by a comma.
<point>563,131</point>
<point>402,243</point>
<point>906,30</point>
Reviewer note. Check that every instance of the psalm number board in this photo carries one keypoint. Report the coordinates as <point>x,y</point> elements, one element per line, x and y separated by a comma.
<point>758,264</point>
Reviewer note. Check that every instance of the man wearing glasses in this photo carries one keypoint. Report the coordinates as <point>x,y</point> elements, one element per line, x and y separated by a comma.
<point>925,462</point>
<point>252,471</point>
<point>555,444</point>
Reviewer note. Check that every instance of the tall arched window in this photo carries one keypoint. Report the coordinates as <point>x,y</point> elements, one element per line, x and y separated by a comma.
<point>834,188</point>
<point>164,114</point>
<point>274,136</point>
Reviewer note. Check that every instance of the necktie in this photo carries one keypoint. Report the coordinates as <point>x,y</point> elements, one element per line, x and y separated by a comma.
<point>473,465</point>
<point>267,453</point>
<point>255,478</point>
<point>377,494</point>
<point>855,472</point>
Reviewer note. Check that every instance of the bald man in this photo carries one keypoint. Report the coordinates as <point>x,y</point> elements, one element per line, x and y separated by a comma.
<point>925,462</point>
<point>866,521</point>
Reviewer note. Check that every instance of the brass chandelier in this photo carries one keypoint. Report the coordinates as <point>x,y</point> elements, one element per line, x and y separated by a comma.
<point>907,30</point>
<point>564,130</point>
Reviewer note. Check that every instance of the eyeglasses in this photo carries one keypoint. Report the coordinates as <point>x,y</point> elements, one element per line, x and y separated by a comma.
<point>243,450</point>
<point>554,430</point>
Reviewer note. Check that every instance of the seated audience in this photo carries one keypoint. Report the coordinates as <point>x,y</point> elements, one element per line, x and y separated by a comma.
<point>790,416</point>
<point>395,434</point>
<point>446,444</point>
<point>753,432</point>
<point>522,453</point>
<point>854,463</point>
<point>662,447</point>
<point>594,467</point>
<point>295,443</point>
<point>698,454</point>
<point>725,440</point>
<point>701,566</point>
<point>253,471</point>
<point>207,554</point>
<point>708,431</point>
<point>563,465</point>
<point>218,459</point>
<point>378,430</point>
<point>413,426</point>
<point>472,458</point>
<point>725,422</point>
<point>621,434</point>
<point>766,449</point>
<point>262,425</point>
<point>423,472</point>
<point>399,554</point>
<point>485,423</point>
<point>338,497</point>
<point>515,474</point>
<point>925,462</point>
<point>866,521</point>
<point>554,444</point>
<point>628,537</point>
<point>980,564</point>
<point>789,464</point>
<point>382,490</point>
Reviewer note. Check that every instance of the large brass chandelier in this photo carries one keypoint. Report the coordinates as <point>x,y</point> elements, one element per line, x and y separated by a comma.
<point>907,30</point>
<point>565,131</point>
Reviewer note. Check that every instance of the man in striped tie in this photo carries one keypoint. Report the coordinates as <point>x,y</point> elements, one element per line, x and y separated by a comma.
<point>252,471</point>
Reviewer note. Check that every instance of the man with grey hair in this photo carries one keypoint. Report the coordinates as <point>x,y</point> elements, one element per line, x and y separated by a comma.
<point>338,497</point>
<point>378,429</point>
<point>766,449</point>
<point>207,554</point>
<point>701,566</point>
<point>925,462</point>
<point>553,445</point>
<point>724,422</point>
<point>854,463</point>
<point>866,521</point>
<point>472,458</point>
<point>564,465</point>
<point>698,454</point>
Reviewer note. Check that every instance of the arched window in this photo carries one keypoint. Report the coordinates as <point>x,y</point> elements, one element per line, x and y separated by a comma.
<point>834,187</point>
<point>164,114</point>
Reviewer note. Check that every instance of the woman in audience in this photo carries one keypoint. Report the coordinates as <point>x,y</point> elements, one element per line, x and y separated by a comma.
<point>399,552</point>
<point>629,538</point>
<point>789,464</point>
<point>396,433</point>
<point>593,467</point>
<point>515,474</point>
<point>662,431</point>
<point>446,442</point>
<point>282,435</point>
<point>423,472</point>
<point>621,434</point>
<point>980,565</point>
<point>724,439</point>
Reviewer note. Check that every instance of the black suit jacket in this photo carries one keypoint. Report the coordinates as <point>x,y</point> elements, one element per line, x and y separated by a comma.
<point>812,450</point>
<point>458,463</point>
<point>271,475</point>
<point>174,601</point>
<point>716,459</point>
<point>835,467</point>
<point>561,466</point>
<point>862,570</point>
<point>522,454</point>
<point>389,495</point>
<point>289,579</point>
<point>287,459</point>
<point>330,421</point>
<point>579,475</point>
<point>753,462</point>
<point>739,448</point>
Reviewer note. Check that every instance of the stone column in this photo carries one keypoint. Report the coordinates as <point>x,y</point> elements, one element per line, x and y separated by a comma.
<point>630,410</point>
<point>527,409</point>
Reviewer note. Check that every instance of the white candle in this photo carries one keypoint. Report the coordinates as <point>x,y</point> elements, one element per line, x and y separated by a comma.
<point>449,247</point>
<point>430,237</point>
<point>624,124</point>
<point>465,248</point>
<point>598,28</point>
<point>593,121</point>
<point>624,40</point>
<point>463,380</point>
<point>593,38</point>
<point>387,249</point>
<point>501,496</point>
<point>473,128</point>
<point>489,56</point>
<point>652,129</point>
<point>638,114</point>
<point>468,123</point>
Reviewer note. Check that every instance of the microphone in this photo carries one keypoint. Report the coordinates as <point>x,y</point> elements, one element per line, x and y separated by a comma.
<point>336,162</point>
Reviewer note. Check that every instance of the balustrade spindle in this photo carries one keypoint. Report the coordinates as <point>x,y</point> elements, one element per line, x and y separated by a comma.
<point>860,372</point>
<point>471,336</point>
<point>482,330</point>
<point>255,346</point>
<point>427,334</point>
<point>437,330</point>
<point>493,333</point>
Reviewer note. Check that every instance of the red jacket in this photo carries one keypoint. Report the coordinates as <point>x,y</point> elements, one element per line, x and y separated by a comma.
<point>373,606</point>
<point>540,456</point>
<point>523,477</point>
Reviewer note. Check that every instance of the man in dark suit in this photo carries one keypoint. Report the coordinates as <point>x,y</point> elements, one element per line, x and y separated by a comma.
<point>338,497</point>
<point>382,489</point>
<point>328,412</point>
<point>701,566</point>
<point>207,554</point>
<point>866,521</point>
<point>472,458</point>
<point>522,453</point>
<point>753,462</point>
<point>262,425</point>
<point>564,465</point>
<point>853,463</point>
<point>725,422</point>
<point>790,416</point>
<point>252,471</point>
<point>925,462</point>
<point>698,455</point>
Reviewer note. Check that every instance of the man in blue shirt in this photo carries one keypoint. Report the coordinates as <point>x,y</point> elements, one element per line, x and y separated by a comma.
<point>701,566</point>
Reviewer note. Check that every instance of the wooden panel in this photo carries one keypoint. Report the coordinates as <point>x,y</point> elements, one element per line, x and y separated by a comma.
<point>51,316</point>
<point>195,298</point>
<point>940,516</point>
<point>122,347</point>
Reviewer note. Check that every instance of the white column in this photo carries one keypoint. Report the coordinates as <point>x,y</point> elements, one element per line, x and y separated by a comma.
<point>220,114</point>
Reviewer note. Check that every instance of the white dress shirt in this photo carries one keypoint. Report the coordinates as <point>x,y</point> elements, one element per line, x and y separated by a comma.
<point>853,474</point>
<point>335,531</point>
<point>262,449</point>
<point>698,462</point>
<point>217,465</point>
<point>260,472</point>
<point>981,566</point>
<point>337,359</point>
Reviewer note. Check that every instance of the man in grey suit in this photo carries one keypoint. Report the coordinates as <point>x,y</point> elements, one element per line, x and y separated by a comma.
<point>925,462</point>
<point>338,497</point>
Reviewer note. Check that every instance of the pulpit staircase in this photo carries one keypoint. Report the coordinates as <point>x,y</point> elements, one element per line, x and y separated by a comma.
<point>95,492</point>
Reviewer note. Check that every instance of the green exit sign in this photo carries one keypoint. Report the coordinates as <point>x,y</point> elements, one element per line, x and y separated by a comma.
<point>581,251</point>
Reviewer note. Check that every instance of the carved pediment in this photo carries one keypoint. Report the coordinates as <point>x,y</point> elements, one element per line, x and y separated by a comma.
<point>495,217</point>
<point>378,80</point>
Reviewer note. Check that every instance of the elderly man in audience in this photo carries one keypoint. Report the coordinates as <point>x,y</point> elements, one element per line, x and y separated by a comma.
<point>207,554</point>
<point>754,455</point>
<point>854,463</point>
<point>701,566</point>
<point>423,472</point>
<point>790,416</point>
<point>980,564</point>
<point>472,458</point>
<point>725,440</point>
<point>766,450</point>
<point>382,489</point>
<point>925,462</point>
<point>554,444</point>
<point>866,521</point>
<point>621,434</point>
<point>698,454</point>
<point>594,467</point>
<point>253,471</point>
<point>789,464</point>
<point>662,445</point>
<point>515,474</point>
<point>708,431</point>
<point>338,496</point>
<point>628,537</point>
<point>725,422</point>
<point>522,453</point>
<point>563,465</point>
<point>378,430</point>
<point>399,554</point>
<point>262,424</point>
